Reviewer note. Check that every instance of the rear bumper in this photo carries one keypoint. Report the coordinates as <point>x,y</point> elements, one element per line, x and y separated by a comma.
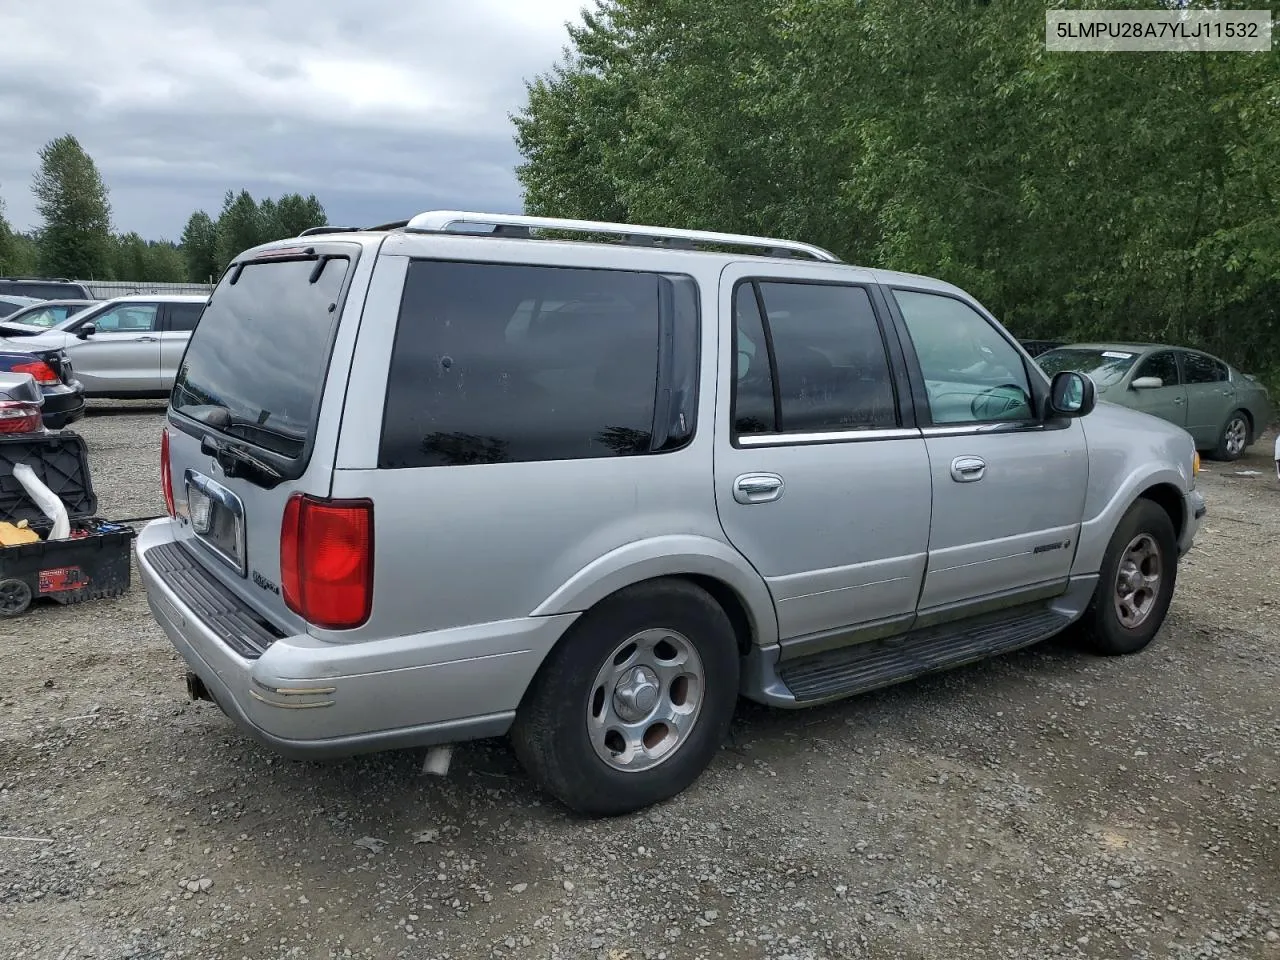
<point>63,405</point>
<point>306,698</point>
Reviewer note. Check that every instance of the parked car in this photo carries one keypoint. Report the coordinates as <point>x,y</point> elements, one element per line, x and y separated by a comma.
<point>44,288</point>
<point>41,316</point>
<point>62,395</point>
<point>127,346</point>
<point>20,402</point>
<point>425,485</point>
<point>1223,409</point>
<point>10,305</point>
<point>1037,347</point>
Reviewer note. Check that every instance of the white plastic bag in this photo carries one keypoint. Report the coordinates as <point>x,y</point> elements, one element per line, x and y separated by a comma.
<point>50,503</point>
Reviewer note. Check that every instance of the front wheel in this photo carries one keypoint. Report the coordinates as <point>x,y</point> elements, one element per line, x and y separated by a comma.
<point>1135,584</point>
<point>634,702</point>
<point>1234,437</point>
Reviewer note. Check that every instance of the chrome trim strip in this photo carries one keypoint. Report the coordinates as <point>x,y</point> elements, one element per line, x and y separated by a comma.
<point>828,436</point>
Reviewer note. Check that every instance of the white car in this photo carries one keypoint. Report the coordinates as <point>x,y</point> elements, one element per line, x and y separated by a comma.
<point>126,347</point>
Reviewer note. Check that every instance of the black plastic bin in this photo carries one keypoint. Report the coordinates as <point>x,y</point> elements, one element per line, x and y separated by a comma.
<point>95,563</point>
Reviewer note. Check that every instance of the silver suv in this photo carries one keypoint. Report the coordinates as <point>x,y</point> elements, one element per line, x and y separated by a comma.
<point>471,475</point>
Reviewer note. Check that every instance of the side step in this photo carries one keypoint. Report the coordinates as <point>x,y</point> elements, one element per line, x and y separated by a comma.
<point>879,663</point>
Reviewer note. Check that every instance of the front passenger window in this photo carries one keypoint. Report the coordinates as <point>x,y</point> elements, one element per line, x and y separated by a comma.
<point>133,318</point>
<point>972,373</point>
<point>1162,365</point>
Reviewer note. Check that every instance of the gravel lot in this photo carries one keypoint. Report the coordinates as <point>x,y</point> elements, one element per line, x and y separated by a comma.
<point>1043,804</point>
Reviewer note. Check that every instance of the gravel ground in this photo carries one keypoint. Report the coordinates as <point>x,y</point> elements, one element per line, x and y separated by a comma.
<point>1043,804</point>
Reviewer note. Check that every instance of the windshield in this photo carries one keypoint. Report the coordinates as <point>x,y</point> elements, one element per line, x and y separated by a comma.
<point>1104,367</point>
<point>47,316</point>
<point>256,363</point>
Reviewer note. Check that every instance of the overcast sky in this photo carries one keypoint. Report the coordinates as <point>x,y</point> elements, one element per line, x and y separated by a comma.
<point>382,108</point>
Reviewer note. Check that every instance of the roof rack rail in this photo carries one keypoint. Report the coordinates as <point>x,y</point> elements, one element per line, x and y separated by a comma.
<point>42,279</point>
<point>394,225</point>
<point>512,225</point>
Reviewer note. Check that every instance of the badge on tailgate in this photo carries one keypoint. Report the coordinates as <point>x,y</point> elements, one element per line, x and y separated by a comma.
<point>217,517</point>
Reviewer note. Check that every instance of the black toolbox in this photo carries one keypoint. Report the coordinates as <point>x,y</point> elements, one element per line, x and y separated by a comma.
<point>93,563</point>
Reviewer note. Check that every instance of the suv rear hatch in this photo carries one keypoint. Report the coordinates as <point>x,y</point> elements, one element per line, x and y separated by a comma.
<point>240,455</point>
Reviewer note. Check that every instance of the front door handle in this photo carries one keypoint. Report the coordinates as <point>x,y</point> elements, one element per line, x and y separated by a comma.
<point>968,469</point>
<point>145,339</point>
<point>1177,400</point>
<point>757,487</point>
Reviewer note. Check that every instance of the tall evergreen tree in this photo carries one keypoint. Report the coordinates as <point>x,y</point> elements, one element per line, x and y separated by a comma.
<point>200,248</point>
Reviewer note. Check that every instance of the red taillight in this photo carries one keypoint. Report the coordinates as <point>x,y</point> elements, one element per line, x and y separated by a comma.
<point>326,560</point>
<point>166,473</point>
<point>17,417</point>
<point>39,370</point>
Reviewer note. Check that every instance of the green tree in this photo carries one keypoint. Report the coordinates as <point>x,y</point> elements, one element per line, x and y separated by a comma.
<point>131,259</point>
<point>294,213</point>
<point>1076,195</point>
<point>75,235</point>
<point>239,226</point>
<point>165,263</point>
<point>200,248</point>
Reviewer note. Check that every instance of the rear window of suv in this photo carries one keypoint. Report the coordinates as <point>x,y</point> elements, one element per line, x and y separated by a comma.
<point>508,363</point>
<point>256,363</point>
<point>44,289</point>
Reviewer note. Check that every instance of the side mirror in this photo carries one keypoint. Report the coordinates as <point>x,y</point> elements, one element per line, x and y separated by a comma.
<point>1147,383</point>
<point>1072,394</point>
<point>86,331</point>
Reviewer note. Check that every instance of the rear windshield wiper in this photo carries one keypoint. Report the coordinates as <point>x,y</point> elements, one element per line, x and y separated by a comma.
<point>233,458</point>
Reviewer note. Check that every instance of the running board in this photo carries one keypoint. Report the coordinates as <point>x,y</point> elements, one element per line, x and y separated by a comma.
<point>880,663</point>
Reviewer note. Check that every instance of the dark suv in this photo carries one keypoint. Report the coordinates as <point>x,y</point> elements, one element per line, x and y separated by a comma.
<point>45,288</point>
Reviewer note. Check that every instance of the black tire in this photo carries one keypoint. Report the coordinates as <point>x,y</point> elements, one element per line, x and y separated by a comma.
<point>1102,628</point>
<point>550,735</point>
<point>15,597</point>
<point>1236,426</point>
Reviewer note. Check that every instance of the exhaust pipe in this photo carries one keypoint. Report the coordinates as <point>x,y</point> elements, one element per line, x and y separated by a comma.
<point>196,690</point>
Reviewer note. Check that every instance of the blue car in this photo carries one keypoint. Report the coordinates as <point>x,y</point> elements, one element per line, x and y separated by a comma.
<point>63,394</point>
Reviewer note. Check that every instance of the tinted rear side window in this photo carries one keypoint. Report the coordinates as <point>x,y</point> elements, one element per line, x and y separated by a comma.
<point>184,316</point>
<point>256,365</point>
<point>500,363</point>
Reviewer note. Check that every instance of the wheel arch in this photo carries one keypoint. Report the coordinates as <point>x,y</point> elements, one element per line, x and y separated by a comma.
<point>1170,499</point>
<point>711,565</point>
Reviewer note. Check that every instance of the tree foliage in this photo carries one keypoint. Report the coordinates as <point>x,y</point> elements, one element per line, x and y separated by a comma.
<point>75,235</point>
<point>1078,195</point>
<point>75,238</point>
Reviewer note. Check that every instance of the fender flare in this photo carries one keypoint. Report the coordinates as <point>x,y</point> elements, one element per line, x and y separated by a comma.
<point>668,556</point>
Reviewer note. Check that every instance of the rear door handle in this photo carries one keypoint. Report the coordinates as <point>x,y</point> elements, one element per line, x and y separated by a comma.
<point>757,487</point>
<point>968,469</point>
<point>1177,400</point>
<point>145,339</point>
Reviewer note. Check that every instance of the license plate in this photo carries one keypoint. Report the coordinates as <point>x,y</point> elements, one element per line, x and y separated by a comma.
<point>217,518</point>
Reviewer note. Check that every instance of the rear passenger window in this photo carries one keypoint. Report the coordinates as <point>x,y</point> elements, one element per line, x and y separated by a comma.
<point>500,363</point>
<point>184,316</point>
<point>821,365</point>
<point>1203,369</point>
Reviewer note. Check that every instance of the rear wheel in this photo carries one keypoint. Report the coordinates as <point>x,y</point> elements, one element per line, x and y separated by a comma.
<point>1234,438</point>
<point>15,597</point>
<point>1135,584</point>
<point>633,703</point>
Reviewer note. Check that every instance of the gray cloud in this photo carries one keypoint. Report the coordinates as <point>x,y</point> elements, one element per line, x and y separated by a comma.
<point>380,108</point>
